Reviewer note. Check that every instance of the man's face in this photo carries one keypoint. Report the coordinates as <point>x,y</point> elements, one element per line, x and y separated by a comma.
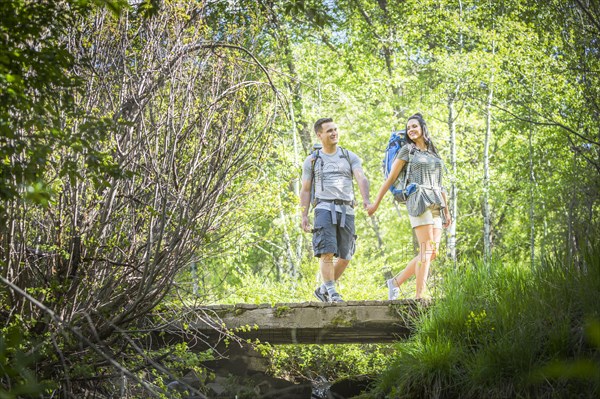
<point>328,134</point>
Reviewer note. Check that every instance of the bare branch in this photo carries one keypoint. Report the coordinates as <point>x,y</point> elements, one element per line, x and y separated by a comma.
<point>62,325</point>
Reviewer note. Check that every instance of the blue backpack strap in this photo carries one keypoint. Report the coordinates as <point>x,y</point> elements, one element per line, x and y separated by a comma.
<point>403,190</point>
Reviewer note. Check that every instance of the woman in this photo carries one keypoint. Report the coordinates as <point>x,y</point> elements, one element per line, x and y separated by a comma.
<point>427,206</point>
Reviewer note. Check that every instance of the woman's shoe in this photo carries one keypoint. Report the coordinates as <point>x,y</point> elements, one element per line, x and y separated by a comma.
<point>393,291</point>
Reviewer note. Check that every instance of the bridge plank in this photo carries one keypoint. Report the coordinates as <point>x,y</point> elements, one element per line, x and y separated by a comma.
<point>313,322</point>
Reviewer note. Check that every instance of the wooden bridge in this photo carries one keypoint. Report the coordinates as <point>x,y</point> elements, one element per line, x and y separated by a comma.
<point>285,323</point>
<point>305,323</point>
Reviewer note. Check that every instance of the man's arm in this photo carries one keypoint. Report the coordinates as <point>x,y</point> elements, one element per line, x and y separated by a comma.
<point>363,186</point>
<point>305,203</point>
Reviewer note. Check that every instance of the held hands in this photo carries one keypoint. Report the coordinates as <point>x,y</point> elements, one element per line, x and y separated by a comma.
<point>371,208</point>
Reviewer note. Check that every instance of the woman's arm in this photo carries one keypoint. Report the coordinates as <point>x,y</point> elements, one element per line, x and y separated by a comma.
<point>446,211</point>
<point>445,197</point>
<point>397,166</point>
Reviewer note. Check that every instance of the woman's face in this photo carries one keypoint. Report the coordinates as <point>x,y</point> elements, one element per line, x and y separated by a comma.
<point>413,129</point>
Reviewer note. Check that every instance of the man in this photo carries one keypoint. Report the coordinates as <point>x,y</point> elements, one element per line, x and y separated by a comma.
<point>332,169</point>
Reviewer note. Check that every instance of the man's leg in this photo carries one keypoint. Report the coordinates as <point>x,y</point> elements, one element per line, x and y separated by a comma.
<point>339,268</point>
<point>346,244</point>
<point>325,247</point>
<point>328,273</point>
<point>339,265</point>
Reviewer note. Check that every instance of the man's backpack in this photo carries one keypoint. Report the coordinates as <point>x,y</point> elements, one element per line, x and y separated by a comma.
<point>316,156</point>
<point>401,189</point>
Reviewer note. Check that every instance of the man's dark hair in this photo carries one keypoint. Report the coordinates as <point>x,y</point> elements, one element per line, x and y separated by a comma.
<point>320,122</point>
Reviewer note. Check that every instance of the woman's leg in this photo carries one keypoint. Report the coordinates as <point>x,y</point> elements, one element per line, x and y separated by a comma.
<point>435,245</point>
<point>429,239</point>
<point>410,268</point>
<point>437,236</point>
<point>426,250</point>
<point>405,274</point>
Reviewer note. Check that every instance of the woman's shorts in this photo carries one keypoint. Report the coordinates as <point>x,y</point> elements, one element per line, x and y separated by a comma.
<point>430,216</point>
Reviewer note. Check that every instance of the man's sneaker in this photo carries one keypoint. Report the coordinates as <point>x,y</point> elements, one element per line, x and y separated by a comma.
<point>393,291</point>
<point>323,297</point>
<point>336,298</point>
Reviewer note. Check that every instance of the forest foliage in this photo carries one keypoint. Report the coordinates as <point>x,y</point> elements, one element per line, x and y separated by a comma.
<point>151,155</point>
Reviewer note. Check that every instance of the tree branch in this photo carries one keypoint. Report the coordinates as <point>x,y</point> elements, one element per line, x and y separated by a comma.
<point>552,123</point>
<point>61,323</point>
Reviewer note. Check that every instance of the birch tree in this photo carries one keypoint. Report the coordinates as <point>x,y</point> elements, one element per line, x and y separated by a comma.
<point>487,244</point>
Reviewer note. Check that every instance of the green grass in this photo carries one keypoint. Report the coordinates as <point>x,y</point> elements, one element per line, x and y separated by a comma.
<point>313,362</point>
<point>504,332</point>
<point>363,280</point>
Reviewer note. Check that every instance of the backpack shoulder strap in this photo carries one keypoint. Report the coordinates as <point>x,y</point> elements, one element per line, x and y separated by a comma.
<point>315,156</point>
<point>411,153</point>
<point>347,156</point>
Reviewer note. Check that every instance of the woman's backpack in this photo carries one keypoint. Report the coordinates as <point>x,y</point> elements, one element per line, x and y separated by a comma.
<point>401,188</point>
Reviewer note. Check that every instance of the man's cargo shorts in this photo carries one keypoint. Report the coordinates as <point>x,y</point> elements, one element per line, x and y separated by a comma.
<point>329,238</point>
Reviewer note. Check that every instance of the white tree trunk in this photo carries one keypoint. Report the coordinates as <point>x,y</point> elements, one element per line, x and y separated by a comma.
<point>297,162</point>
<point>487,244</point>
<point>532,187</point>
<point>451,236</point>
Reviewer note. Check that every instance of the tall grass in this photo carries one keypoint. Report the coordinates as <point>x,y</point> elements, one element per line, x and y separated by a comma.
<point>504,332</point>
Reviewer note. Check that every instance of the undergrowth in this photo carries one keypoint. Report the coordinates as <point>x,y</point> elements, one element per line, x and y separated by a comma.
<point>505,331</point>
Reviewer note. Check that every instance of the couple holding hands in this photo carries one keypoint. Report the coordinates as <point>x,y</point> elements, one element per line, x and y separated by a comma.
<point>327,176</point>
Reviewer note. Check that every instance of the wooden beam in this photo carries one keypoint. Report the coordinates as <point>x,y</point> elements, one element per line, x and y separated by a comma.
<point>310,322</point>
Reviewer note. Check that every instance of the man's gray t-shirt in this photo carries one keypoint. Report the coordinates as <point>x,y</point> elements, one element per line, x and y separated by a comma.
<point>333,171</point>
